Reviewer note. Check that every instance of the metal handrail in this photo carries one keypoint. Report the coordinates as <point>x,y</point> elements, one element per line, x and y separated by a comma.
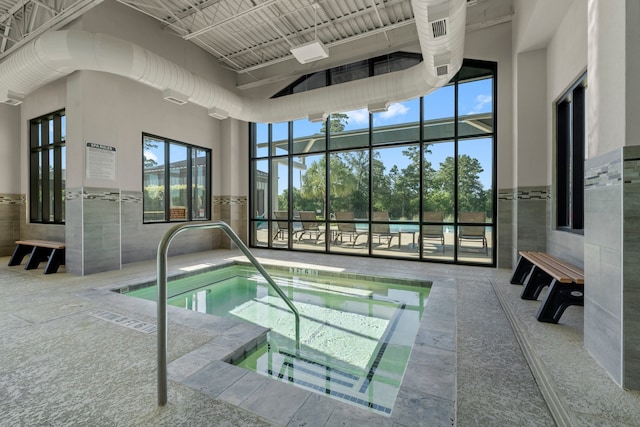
<point>163,248</point>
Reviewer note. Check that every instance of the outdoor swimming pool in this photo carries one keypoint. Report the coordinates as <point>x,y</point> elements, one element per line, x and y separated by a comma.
<point>356,332</point>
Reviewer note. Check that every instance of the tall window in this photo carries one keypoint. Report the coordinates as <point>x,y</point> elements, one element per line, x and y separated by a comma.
<point>47,135</point>
<point>414,182</point>
<point>570,136</point>
<point>176,181</point>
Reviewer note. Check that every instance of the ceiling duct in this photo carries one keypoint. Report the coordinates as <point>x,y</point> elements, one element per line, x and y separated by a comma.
<point>57,54</point>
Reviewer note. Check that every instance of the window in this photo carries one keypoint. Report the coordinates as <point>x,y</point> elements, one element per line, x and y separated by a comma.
<point>176,181</point>
<point>47,136</point>
<point>414,182</point>
<point>570,137</point>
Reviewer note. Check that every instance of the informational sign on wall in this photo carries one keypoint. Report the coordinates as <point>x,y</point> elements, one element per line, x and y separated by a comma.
<point>101,161</point>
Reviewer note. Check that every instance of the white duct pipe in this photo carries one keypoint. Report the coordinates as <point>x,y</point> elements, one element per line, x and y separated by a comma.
<point>57,54</point>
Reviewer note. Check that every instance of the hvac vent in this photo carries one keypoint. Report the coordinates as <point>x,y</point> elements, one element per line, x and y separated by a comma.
<point>13,98</point>
<point>439,28</point>
<point>438,17</point>
<point>175,97</point>
<point>441,63</point>
<point>442,70</point>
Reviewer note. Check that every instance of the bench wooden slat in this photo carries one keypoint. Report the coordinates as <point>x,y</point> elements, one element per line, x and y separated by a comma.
<point>552,270</point>
<point>562,272</point>
<point>42,243</point>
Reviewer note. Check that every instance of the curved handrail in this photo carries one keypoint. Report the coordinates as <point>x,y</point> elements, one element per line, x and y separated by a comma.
<point>163,248</point>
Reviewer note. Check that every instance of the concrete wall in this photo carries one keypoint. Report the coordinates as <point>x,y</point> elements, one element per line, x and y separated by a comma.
<point>104,217</point>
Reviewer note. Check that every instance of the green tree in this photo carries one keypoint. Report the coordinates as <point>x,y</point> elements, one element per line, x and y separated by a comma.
<point>471,195</point>
<point>337,123</point>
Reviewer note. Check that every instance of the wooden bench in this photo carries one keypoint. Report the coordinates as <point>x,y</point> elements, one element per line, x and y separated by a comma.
<point>40,250</point>
<point>535,270</point>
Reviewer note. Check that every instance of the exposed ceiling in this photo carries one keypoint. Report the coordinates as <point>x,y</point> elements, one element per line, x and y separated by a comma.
<point>254,37</point>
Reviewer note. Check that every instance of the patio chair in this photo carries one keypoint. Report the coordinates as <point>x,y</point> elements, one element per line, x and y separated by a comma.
<point>282,221</point>
<point>348,228</point>
<point>433,231</point>
<point>309,226</point>
<point>382,229</point>
<point>473,232</point>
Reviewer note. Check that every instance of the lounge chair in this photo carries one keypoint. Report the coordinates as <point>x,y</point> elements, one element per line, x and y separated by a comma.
<point>309,226</point>
<point>382,229</point>
<point>282,222</point>
<point>473,232</point>
<point>348,228</point>
<point>433,231</point>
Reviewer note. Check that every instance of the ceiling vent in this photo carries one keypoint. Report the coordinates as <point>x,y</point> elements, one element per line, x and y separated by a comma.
<point>378,107</point>
<point>175,97</point>
<point>438,17</point>
<point>318,117</point>
<point>13,98</point>
<point>441,63</point>
<point>218,113</point>
<point>309,52</point>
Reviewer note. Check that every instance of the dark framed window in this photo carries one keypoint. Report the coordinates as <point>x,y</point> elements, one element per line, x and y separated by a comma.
<point>570,149</point>
<point>47,135</point>
<point>415,182</point>
<point>176,181</point>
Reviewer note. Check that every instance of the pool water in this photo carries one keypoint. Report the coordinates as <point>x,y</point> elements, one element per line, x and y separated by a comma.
<point>356,335</point>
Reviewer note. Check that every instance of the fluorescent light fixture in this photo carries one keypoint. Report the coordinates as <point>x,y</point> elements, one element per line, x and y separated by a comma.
<point>309,52</point>
<point>175,97</point>
<point>317,117</point>
<point>378,107</point>
<point>13,98</point>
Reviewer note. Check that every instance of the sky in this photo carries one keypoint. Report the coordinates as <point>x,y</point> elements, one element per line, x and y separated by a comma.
<point>474,97</point>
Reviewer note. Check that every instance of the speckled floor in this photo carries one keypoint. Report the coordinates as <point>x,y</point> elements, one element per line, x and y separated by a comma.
<point>74,353</point>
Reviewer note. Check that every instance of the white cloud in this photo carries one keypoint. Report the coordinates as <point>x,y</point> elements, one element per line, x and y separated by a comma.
<point>397,109</point>
<point>358,116</point>
<point>481,102</point>
<point>148,155</point>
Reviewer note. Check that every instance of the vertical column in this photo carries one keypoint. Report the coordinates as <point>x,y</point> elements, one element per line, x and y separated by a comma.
<point>612,293</point>
<point>101,229</point>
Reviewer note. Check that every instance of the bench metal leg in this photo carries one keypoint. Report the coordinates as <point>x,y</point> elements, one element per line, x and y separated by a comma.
<point>19,253</point>
<point>534,283</point>
<point>56,259</point>
<point>559,297</point>
<point>38,255</point>
<point>522,271</point>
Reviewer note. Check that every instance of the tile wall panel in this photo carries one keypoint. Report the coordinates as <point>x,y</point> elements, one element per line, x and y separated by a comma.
<point>10,221</point>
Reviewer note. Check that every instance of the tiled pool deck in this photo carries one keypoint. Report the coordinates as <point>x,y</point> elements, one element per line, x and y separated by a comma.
<point>74,353</point>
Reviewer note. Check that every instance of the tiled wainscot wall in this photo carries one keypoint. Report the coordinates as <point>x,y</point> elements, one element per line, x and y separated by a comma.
<point>10,215</point>
<point>522,222</point>
<point>612,271</point>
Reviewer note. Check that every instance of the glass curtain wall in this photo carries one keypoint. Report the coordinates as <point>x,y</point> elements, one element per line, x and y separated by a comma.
<point>414,182</point>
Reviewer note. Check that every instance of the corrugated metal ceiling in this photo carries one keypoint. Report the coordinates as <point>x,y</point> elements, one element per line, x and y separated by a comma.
<point>244,35</point>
